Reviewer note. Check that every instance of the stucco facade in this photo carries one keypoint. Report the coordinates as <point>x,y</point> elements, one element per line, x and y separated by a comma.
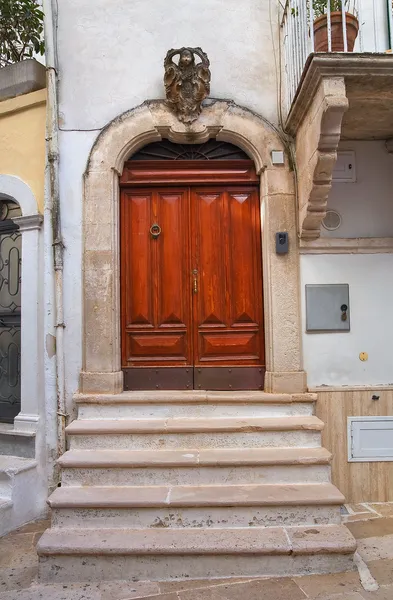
<point>22,148</point>
<point>23,444</point>
<point>106,102</point>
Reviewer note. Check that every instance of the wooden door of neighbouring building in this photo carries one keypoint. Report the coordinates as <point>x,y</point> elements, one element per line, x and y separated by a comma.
<point>191,275</point>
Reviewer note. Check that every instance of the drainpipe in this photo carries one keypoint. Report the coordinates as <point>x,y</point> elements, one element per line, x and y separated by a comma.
<point>52,213</point>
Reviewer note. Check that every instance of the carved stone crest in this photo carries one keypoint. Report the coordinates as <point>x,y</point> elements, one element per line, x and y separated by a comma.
<point>187,83</point>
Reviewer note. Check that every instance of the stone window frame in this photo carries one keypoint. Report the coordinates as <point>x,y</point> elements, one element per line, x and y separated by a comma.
<point>152,121</point>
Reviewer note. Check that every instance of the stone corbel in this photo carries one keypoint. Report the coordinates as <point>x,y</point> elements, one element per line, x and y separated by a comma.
<point>317,139</point>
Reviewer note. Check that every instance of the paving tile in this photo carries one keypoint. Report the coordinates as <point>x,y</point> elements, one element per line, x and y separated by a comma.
<point>383,508</point>
<point>345,596</point>
<point>174,586</point>
<point>385,592</point>
<point>55,592</point>
<point>34,527</point>
<point>261,589</point>
<point>382,570</point>
<point>16,579</point>
<point>126,590</point>
<point>361,517</point>
<point>376,548</point>
<point>169,596</point>
<point>17,550</point>
<point>320,586</point>
<point>371,528</point>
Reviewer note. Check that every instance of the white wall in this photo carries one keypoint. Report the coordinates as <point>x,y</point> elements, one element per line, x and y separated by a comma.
<point>333,358</point>
<point>75,147</point>
<point>366,207</point>
<point>111,55</point>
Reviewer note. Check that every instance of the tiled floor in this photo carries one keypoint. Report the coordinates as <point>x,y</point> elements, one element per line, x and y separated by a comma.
<point>371,524</point>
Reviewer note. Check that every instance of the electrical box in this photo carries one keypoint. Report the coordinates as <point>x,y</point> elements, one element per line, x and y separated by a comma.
<point>327,307</point>
<point>278,157</point>
<point>370,439</point>
<point>345,168</point>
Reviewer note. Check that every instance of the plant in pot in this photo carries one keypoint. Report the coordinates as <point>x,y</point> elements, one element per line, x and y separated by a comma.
<point>321,43</point>
<point>21,31</point>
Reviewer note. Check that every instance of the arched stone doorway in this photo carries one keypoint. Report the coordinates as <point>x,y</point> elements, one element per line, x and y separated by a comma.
<point>151,122</point>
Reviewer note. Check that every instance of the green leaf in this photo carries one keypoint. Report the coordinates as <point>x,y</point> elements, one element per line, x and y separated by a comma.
<point>21,30</point>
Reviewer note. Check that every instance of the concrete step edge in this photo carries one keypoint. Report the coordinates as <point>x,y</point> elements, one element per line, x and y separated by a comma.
<point>325,539</point>
<point>12,465</point>
<point>198,397</point>
<point>325,494</point>
<point>96,459</point>
<point>191,425</point>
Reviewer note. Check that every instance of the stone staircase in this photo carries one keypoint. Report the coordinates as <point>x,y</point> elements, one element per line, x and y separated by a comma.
<point>166,485</point>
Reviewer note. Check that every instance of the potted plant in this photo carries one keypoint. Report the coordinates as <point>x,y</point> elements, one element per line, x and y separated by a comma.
<point>336,21</point>
<point>21,39</point>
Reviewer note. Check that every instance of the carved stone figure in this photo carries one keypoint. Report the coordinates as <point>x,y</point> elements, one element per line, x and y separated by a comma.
<point>187,84</point>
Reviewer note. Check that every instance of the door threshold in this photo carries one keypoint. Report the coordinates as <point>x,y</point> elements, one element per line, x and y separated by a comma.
<point>223,378</point>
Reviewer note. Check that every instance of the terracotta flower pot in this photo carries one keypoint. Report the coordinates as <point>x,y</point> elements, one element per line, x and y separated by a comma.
<point>321,32</point>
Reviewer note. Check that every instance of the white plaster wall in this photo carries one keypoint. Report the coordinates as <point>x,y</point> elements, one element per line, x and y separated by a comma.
<point>111,53</point>
<point>366,206</point>
<point>111,57</point>
<point>333,358</point>
<point>75,147</point>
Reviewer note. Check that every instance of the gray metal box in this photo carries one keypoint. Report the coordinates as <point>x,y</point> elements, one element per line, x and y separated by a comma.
<point>325,307</point>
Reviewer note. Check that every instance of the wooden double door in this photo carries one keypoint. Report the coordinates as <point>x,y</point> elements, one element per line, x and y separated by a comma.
<point>191,287</point>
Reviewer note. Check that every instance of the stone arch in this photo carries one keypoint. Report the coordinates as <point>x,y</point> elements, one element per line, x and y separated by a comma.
<point>153,121</point>
<point>16,189</point>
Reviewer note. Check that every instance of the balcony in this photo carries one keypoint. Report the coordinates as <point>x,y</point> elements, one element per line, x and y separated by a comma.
<point>338,69</point>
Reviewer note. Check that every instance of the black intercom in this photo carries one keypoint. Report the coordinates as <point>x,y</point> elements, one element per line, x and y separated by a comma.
<point>282,242</point>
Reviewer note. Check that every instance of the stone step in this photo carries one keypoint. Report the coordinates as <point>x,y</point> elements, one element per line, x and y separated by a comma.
<point>198,396</point>
<point>166,404</point>
<point>194,495</point>
<point>195,506</point>
<point>187,467</point>
<point>300,431</point>
<point>164,554</point>
<point>217,517</point>
<point>16,474</point>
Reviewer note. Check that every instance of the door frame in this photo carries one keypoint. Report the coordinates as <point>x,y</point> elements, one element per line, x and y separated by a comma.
<point>152,121</point>
<point>193,174</point>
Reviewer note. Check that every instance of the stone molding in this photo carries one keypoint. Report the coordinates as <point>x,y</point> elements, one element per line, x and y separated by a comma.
<point>29,222</point>
<point>333,64</point>
<point>330,83</point>
<point>350,388</point>
<point>325,245</point>
<point>153,121</point>
<point>22,78</point>
<point>316,144</point>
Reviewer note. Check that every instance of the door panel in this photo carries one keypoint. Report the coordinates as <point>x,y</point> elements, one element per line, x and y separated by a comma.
<point>155,283</point>
<point>209,258</point>
<point>228,319</point>
<point>136,218</point>
<point>192,311</point>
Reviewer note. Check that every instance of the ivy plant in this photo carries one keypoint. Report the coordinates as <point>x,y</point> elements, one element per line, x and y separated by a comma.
<point>21,30</point>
